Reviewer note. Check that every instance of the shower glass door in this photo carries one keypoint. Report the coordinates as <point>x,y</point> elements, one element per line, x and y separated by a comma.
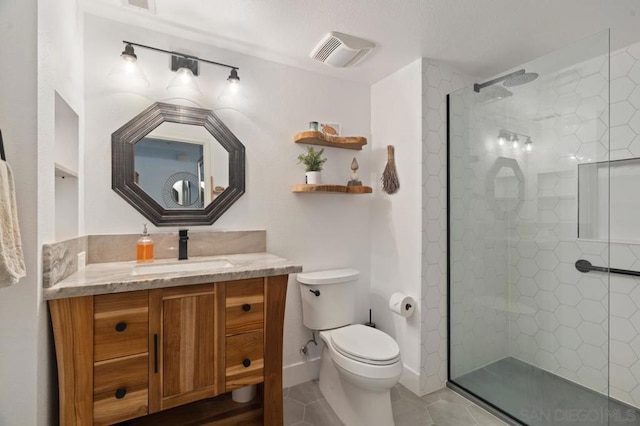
<point>528,332</point>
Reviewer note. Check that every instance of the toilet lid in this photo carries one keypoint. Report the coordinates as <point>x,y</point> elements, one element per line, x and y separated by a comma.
<point>365,343</point>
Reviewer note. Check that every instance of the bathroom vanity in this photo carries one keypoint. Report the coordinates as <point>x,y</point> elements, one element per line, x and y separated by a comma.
<point>130,344</point>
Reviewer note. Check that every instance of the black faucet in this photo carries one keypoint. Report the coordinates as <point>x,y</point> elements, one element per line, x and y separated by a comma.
<point>182,244</point>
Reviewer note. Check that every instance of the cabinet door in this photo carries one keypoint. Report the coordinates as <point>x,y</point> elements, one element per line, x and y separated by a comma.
<point>186,331</point>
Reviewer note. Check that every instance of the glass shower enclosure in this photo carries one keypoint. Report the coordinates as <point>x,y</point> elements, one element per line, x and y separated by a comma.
<point>528,198</point>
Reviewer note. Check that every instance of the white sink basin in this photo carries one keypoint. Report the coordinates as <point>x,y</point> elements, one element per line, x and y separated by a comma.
<point>183,266</point>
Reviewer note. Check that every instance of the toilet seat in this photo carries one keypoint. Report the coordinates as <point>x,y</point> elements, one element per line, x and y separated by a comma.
<point>365,344</point>
<point>360,366</point>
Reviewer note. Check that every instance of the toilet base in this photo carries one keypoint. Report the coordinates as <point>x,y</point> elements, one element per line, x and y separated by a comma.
<point>354,405</point>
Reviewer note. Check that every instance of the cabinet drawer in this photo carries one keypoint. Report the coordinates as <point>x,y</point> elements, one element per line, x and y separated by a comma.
<point>120,389</point>
<point>244,306</point>
<point>244,360</point>
<point>121,325</point>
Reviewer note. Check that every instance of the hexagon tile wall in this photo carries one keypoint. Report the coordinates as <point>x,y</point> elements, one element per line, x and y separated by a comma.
<point>575,325</point>
<point>437,81</point>
<point>579,329</point>
<point>534,305</point>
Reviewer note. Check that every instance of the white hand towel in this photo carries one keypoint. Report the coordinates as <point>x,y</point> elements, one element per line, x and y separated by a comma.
<point>11,259</point>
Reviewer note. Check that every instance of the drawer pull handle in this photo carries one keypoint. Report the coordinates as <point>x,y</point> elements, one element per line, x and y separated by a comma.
<point>246,362</point>
<point>120,393</point>
<point>246,307</point>
<point>155,353</point>
<point>121,326</point>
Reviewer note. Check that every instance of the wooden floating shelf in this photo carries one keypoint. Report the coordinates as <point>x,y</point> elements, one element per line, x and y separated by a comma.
<point>336,189</point>
<point>313,137</point>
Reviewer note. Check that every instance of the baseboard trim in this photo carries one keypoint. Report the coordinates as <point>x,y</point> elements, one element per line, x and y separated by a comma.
<point>301,372</point>
<point>410,379</point>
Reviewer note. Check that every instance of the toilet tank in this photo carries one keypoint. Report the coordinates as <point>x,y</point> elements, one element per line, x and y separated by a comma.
<point>328,298</point>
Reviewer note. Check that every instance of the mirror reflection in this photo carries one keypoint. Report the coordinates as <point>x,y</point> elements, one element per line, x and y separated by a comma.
<point>182,190</point>
<point>504,186</point>
<point>181,166</point>
<point>184,193</point>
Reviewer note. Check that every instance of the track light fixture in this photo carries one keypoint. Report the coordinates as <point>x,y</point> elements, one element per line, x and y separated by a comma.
<point>502,137</point>
<point>129,54</point>
<point>185,66</point>
<point>233,76</point>
<point>127,73</point>
<point>528,144</point>
<point>505,136</point>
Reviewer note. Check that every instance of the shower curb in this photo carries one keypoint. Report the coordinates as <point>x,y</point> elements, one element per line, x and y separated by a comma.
<point>493,410</point>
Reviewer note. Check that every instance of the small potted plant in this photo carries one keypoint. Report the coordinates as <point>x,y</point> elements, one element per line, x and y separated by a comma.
<point>313,162</point>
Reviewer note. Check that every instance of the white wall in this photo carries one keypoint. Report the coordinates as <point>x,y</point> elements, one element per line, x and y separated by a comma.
<point>408,229</point>
<point>438,80</point>
<point>396,105</point>
<point>317,230</point>
<point>60,103</point>
<point>66,135</point>
<point>60,59</point>
<point>43,42</point>
<point>21,401</point>
<point>66,147</point>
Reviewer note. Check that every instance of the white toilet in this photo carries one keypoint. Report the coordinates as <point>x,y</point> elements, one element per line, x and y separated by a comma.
<point>359,365</point>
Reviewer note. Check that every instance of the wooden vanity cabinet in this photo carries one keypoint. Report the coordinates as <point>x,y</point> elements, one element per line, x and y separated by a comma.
<point>244,334</point>
<point>144,352</point>
<point>185,325</point>
<point>120,356</point>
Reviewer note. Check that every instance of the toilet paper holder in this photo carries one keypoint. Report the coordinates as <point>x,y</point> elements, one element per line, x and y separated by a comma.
<point>402,304</point>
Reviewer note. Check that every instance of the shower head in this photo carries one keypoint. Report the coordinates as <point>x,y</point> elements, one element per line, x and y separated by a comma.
<point>520,79</point>
<point>515,78</point>
<point>494,93</point>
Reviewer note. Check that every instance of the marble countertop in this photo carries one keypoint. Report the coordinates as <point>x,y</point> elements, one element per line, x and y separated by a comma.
<point>116,277</point>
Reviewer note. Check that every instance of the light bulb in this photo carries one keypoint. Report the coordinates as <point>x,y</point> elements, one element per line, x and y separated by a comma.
<point>502,139</point>
<point>233,92</point>
<point>528,145</point>
<point>127,74</point>
<point>184,83</point>
<point>515,141</point>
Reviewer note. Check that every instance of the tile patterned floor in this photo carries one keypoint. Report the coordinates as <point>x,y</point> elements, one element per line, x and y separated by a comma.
<point>541,398</point>
<point>304,405</point>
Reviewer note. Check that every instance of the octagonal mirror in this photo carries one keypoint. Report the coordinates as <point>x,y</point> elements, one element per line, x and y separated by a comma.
<point>504,186</point>
<point>177,165</point>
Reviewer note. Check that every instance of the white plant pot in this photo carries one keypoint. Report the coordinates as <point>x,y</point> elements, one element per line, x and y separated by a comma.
<point>313,178</point>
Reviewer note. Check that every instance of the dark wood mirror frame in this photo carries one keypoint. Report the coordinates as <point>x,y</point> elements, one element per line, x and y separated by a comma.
<point>123,143</point>
<point>490,185</point>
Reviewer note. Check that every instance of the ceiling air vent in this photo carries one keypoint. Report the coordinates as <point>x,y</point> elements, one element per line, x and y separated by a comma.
<point>142,5</point>
<point>341,50</point>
